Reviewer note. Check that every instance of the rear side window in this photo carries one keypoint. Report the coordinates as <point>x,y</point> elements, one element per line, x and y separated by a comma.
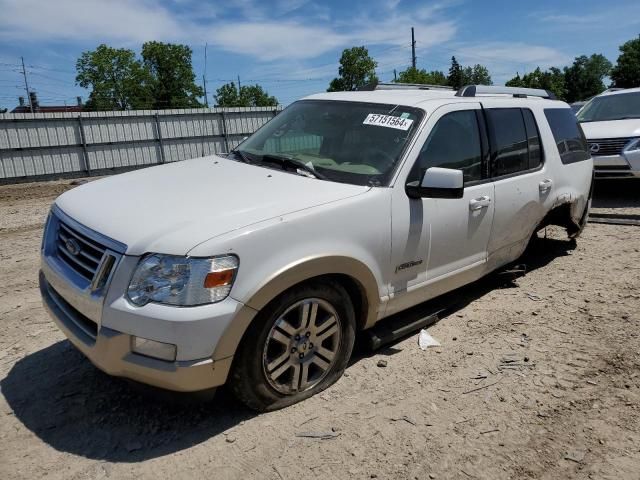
<point>569,137</point>
<point>509,141</point>
<point>454,142</point>
<point>533,139</point>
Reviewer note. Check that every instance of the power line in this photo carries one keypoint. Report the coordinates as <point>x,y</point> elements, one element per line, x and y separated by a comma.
<point>49,77</point>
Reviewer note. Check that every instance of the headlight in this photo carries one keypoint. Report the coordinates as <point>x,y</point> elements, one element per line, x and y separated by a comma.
<point>182,281</point>
<point>632,146</point>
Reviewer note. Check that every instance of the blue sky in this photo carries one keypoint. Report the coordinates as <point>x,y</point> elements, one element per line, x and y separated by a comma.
<point>292,47</point>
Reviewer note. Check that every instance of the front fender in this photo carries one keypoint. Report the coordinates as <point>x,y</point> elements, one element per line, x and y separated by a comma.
<point>350,237</point>
<point>290,276</point>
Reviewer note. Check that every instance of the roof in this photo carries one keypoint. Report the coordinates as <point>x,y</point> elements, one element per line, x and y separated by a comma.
<point>413,97</point>
<point>619,91</point>
<point>408,97</point>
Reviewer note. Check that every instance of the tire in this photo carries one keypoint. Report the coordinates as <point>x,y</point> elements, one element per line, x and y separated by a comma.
<point>278,364</point>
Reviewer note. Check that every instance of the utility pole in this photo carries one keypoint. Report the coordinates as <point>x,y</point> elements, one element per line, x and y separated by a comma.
<point>395,75</point>
<point>204,78</point>
<point>204,83</point>
<point>26,84</point>
<point>413,49</point>
<point>238,84</point>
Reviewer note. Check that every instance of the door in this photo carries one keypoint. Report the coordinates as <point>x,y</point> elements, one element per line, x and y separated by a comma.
<point>521,181</point>
<point>439,244</point>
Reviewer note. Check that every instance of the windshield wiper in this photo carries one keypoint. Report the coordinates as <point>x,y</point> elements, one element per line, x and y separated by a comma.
<point>243,157</point>
<point>294,162</point>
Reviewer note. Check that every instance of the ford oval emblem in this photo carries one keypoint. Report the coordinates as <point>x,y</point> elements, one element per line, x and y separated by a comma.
<point>594,147</point>
<point>72,246</point>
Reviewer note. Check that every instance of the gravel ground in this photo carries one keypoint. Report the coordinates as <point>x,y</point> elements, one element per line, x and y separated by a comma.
<point>537,377</point>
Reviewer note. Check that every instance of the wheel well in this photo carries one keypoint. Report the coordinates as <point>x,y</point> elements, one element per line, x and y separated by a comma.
<point>356,292</point>
<point>354,289</point>
<point>560,216</point>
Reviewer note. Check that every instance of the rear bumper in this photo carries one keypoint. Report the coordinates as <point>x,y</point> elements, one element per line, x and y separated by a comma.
<point>110,351</point>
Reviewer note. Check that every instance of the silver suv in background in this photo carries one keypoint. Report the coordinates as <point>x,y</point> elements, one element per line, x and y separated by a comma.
<point>611,123</point>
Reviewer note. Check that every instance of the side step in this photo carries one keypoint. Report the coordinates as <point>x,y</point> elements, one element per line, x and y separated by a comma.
<point>400,325</point>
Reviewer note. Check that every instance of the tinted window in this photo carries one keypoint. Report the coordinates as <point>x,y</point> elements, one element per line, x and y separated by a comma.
<point>533,139</point>
<point>568,135</point>
<point>454,142</point>
<point>510,148</point>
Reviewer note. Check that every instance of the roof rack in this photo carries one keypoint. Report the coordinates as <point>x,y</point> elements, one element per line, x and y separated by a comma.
<point>518,92</point>
<point>403,86</point>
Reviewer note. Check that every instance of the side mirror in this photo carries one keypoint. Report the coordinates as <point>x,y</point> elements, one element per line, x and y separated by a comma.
<point>437,183</point>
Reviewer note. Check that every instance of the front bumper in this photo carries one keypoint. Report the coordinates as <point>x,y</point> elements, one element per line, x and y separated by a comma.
<point>617,166</point>
<point>110,351</point>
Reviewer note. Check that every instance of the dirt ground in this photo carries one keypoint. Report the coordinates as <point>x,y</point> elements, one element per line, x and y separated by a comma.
<point>536,378</point>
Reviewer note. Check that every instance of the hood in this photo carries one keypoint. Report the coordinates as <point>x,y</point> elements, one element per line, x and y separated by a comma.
<point>174,207</point>
<point>612,129</point>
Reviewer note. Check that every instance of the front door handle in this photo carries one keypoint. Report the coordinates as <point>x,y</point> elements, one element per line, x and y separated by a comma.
<point>479,203</point>
<point>545,185</point>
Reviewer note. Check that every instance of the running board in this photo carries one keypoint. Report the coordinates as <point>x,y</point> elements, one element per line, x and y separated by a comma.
<point>400,325</point>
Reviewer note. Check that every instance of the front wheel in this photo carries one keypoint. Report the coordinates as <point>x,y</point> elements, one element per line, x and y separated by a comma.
<point>298,346</point>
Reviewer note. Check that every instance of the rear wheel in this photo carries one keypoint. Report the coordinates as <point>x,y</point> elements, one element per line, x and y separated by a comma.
<point>298,346</point>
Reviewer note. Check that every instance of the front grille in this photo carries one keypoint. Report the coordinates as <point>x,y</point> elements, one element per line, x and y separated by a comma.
<point>611,167</point>
<point>72,317</point>
<point>79,252</point>
<point>607,146</point>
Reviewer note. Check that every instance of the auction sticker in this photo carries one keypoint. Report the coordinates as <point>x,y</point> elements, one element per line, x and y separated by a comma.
<point>388,121</point>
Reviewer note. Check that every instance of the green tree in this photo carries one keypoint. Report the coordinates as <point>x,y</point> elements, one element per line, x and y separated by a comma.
<point>3,110</point>
<point>456,74</point>
<point>173,82</point>
<point>414,75</point>
<point>476,75</point>
<point>356,70</point>
<point>117,80</point>
<point>248,96</point>
<point>585,78</point>
<point>256,96</point>
<point>552,79</point>
<point>626,73</point>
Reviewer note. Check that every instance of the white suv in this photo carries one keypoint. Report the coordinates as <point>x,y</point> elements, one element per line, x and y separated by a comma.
<point>259,267</point>
<point>611,123</point>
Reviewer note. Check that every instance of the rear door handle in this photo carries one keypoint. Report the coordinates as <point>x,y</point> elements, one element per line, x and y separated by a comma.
<point>479,203</point>
<point>545,185</point>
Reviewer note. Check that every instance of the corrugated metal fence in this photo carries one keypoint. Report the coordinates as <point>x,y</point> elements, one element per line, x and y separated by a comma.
<point>45,145</point>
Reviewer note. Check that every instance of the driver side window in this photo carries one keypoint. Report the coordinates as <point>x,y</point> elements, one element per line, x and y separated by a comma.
<point>454,142</point>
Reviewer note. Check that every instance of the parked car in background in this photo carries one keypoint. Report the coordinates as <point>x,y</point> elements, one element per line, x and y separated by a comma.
<point>611,123</point>
<point>576,106</point>
<point>258,267</point>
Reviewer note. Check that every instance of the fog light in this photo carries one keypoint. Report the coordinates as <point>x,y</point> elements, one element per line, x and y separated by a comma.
<point>151,348</point>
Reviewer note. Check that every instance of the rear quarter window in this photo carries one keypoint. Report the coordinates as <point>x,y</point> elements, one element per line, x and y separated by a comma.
<point>568,135</point>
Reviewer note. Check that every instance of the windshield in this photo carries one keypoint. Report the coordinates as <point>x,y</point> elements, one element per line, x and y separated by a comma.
<point>349,142</point>
<point>611,107</point>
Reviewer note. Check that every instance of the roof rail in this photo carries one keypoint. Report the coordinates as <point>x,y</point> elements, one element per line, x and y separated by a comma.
<point>410,86</point>
<point>474,90</point>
